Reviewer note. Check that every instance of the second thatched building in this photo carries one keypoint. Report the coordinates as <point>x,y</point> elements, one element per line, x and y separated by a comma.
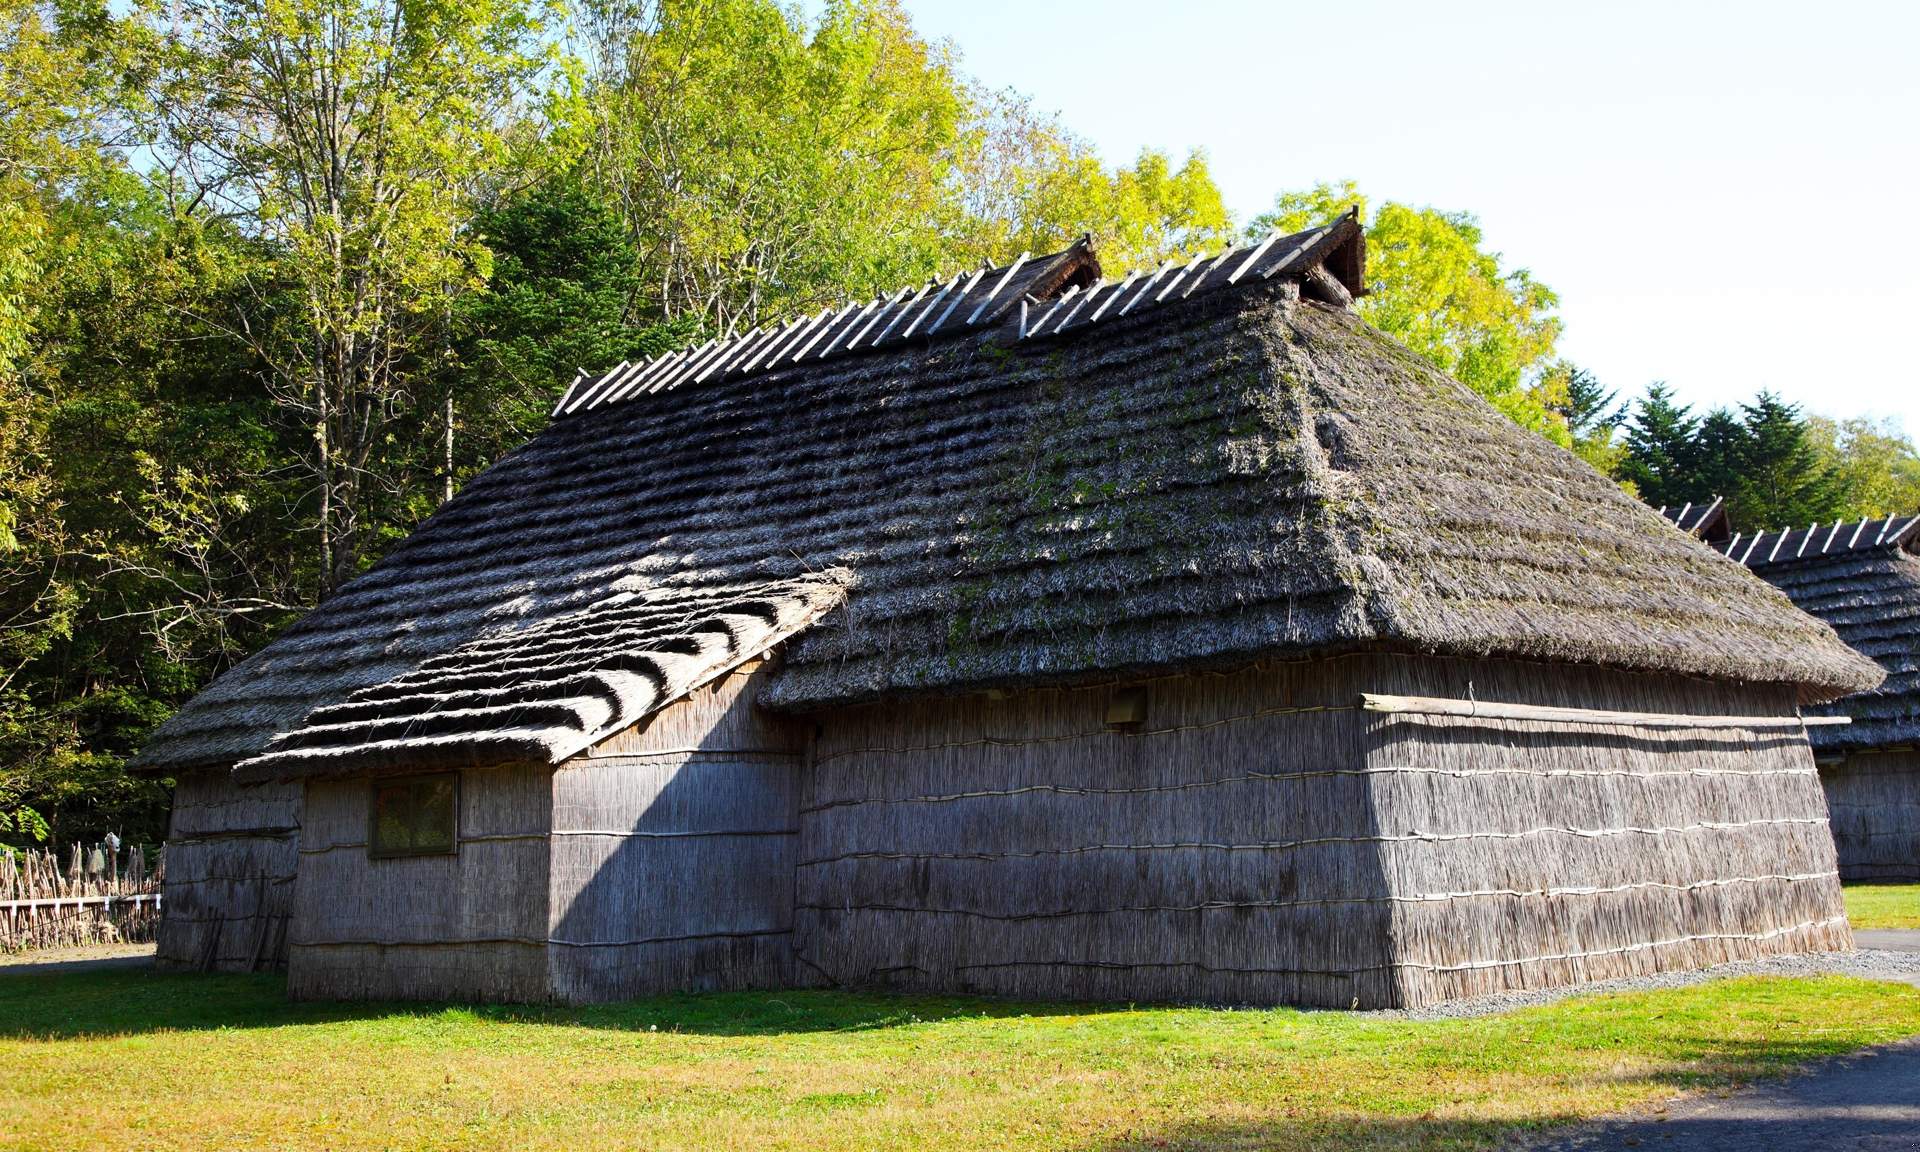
<point>1863,578</point>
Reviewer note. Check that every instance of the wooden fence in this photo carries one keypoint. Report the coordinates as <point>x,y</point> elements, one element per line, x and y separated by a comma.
<point>102,896</point>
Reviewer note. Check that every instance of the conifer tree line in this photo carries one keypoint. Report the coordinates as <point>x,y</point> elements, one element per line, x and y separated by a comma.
<point>278,276</point>
<point>1774,466</point>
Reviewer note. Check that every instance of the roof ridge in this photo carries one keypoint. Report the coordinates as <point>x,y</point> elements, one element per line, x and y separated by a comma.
<point>891,320</point>
<point>1785,545</point>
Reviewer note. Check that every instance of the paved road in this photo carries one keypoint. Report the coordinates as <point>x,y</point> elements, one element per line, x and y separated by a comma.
<point>1868,1102</point>
<point>1888,940</point>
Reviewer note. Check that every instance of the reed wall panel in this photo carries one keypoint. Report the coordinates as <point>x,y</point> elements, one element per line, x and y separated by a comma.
<point>673,852</point>
<point>1874,798</point>
<point>1260,839</point>
<point>1525,854</point>
<point>467,925</point>
<point>1017,846</point>
<point>231,856</point>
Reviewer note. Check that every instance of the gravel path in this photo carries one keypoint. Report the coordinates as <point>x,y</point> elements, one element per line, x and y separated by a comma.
<point>1896,957</point>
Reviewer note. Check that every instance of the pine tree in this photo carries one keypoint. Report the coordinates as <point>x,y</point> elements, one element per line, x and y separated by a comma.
<point>1660,450</point>
<point>1783,482</point>
<point>1719,454</point>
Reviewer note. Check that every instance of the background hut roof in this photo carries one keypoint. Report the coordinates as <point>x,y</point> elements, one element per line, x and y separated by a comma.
<point>1863,578</point>
<point>1701,521</point>
<point>1219,466</point>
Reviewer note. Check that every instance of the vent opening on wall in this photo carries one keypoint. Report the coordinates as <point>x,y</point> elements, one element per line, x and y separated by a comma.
<point>1127,709</point>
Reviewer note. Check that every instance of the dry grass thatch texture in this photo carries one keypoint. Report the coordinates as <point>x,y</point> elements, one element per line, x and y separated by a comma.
<point>673,852</point>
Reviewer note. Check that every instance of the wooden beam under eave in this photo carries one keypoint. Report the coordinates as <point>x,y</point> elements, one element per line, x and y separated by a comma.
<point>1322,285</point>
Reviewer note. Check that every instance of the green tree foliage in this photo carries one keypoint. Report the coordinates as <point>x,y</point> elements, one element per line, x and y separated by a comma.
<point>764,168</point>
<point>566,294</point>
<point>1660,454</point>
<point>1874,466</point>
<point>1590,413</point>
<point>352,137</point>
<point>1029,185</point>
<point>1432,287</point>
<point>1774,467</point>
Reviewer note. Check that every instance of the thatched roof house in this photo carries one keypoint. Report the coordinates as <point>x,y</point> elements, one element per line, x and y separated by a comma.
<point>1167,636</point>
<point>1863,578</point>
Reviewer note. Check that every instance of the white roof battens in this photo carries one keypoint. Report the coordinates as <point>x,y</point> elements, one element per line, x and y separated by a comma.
<point>576,392</point>
<point>653,368</point>
<point>1207,271</point>
<point>900,315</point>
<point>799,337</point>
<point>713,350</point>
<point>846,330</point>
<point>566,397</point>
<point>884,308</point>
<point>612,384</point>
<point>694,357</point>
<point>1175,282</point>
<point>955,302</point>
<point>836,322</point>
<point>1077,308</point>
<point>728,350</point>
<point>931,305</point>
<point>1290,257</point>
<point>1001,283</point>
<point>1145,287</point>
<point>1855,538</point>
<point>1824,548</point>
<point>1118,291</point>
<point>1254,257</point>
<point>749,363</point>
<point>1026,331</point>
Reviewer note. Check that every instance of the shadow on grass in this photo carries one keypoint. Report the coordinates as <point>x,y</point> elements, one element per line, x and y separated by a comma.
<point>1334,1133</point>
<point>133,1000</point>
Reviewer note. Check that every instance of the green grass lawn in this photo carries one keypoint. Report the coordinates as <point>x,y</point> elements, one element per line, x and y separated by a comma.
<point>1883,905</point>
<point>136,1059</point>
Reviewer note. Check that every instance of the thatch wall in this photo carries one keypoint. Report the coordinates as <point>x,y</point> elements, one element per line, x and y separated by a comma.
<point>1259,839</point>
<point>673,852</point>
<point>231,856</point>
<point>1524,854</point>
<point>1874,798</point>
<point>468,925</point>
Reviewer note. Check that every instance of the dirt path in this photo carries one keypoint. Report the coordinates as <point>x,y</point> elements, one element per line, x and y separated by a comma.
<point>76,959</point>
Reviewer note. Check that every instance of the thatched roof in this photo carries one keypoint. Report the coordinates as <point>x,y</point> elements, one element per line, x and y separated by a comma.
<point>1210,465</point>
<point>1863,578</point>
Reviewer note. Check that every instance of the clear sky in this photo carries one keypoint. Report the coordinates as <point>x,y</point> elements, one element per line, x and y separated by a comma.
<point>1722,193</point>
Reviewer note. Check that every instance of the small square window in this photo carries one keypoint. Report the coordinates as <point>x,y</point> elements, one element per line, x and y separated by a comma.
<point>413,815</point>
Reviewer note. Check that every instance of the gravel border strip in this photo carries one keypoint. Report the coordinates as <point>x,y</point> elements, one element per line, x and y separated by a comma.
<point>1866,963</point>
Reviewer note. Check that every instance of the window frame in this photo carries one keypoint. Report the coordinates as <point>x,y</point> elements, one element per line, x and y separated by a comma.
<point>412,780</point>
